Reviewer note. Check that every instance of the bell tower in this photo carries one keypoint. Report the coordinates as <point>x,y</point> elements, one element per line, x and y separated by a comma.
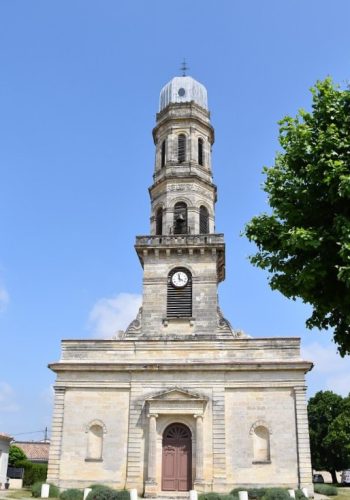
<point>183,258</point>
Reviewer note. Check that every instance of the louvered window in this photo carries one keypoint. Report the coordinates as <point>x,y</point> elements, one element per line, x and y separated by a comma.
<point>200,151</point>
<point>181,148</point>
<point>159,221</point>
<point>203,220</point>
<point>163,155</point>
<point>179,301</point>
<point>180,218</point>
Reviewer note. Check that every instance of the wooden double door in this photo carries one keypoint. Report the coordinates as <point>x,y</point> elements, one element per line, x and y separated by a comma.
<point>177,458</point>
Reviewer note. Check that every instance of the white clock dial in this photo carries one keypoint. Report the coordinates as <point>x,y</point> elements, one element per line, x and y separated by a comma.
<point>179,279</point>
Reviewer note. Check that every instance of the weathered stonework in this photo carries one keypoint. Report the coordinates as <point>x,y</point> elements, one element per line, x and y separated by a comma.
<point>241,400</point>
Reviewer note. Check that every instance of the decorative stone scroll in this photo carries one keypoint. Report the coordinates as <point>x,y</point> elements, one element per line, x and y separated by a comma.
<point>135,326</point>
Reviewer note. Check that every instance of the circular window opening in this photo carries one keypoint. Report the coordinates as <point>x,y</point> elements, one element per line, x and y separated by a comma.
<point>181,92</point>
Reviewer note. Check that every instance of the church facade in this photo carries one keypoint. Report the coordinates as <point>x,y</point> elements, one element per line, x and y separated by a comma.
<point>181,401</point>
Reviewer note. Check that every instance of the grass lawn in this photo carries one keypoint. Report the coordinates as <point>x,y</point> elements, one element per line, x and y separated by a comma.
<point>343,494</point>
<point>23,493</point>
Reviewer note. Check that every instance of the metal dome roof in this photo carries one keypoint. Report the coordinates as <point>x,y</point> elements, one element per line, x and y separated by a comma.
<point>183,89</point>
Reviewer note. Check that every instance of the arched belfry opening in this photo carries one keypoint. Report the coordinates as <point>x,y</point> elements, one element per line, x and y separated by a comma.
<point>177,458</point>
<point>180,218</point>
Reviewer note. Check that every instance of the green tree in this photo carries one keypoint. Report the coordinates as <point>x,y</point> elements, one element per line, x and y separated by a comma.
<point>329,422</point>
<point>305,242</point>
<point>16,454</point>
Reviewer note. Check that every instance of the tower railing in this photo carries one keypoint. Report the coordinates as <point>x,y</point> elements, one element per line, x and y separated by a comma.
<point>180,239</point>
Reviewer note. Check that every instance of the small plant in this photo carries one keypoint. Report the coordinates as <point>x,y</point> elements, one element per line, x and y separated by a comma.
<point>276,494</point>
<point>100,492</point>
<point>325,489</point>
<point>36,490</point>
<point>72,494</point>
<point>209,496</point>
<point>299,495</point>
<point>217,496</point>
<point>253,493</point>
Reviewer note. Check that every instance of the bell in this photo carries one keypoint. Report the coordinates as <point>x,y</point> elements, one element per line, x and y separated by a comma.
<point>180,218</point>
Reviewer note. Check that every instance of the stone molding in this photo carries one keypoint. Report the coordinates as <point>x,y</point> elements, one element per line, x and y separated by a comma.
<point>260,423</point>
<point>96,422</point>
<point>176,400</point>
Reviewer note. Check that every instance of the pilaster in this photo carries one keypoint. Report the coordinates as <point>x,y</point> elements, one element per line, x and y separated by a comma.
<point>303,442</point>
<point>135,439</point>
<point>219,439</point>
<point>53,474</point>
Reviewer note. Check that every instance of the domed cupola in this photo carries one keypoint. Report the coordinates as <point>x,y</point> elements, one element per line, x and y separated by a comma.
<point>183,89</point>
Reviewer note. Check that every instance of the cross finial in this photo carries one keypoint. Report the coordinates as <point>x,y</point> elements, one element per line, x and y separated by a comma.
<point>184,67</point>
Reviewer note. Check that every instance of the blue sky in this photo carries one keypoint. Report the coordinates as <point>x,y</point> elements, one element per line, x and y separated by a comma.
<point>79,87</point>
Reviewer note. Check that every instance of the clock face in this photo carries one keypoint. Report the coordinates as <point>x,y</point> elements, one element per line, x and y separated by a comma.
<point>179,279</point>
<point>181,92</point>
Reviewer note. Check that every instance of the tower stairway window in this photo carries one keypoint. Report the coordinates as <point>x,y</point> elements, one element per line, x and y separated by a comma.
<point>203,220</point>
<point>200,151</point>
<point>180,218</point>
<point>159,221</point>
<point>163,155</point>
<point>181,148</point>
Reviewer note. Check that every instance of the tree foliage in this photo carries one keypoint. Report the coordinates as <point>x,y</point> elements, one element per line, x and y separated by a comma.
<point>16,454</point>
<point>329,422</point>
<point>305,242</point>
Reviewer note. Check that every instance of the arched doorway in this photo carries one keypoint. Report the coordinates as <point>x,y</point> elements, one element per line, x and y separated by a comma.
<point>177,458</point>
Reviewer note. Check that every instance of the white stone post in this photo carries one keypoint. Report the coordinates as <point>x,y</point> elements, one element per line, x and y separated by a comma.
<point>193,495</point>
<point>45,490</point>
<point>86,492</point>
<point>152,448</point>
<point>243,495</point>
<point>133,494</point>
<point>199,448</point>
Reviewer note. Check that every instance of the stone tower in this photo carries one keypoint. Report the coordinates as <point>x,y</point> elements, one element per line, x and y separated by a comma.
<point>183,258</point>
<point>180,401</point>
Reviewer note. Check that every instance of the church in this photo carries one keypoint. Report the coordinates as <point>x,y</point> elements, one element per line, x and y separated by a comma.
<point>180,400</point>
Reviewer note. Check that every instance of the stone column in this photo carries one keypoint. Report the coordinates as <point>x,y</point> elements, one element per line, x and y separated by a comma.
<point>151,483</point>
<point>199,450</point>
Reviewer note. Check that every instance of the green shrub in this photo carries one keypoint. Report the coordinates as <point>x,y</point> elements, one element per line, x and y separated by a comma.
<point>276,494</point>
<point>210,496</point>
<point>325,489</point>
<point>299,495</point>
<point>100,492</point>
<point>36,489</point>
<point>72,494</point>
<point>252,492</point>
<point>34,473</point>
<point>16,455</point>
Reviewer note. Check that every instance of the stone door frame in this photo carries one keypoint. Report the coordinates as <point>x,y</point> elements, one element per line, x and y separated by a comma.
<point>175,444</point>
<point>175,401</point>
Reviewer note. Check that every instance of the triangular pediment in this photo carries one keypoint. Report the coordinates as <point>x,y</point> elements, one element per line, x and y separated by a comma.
<point>176,394</point>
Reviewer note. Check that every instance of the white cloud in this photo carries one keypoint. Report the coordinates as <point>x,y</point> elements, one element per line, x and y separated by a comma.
<point>331,371</point>
<point>7,398</point>
<point>4,298</point>
<point>109,315</point>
